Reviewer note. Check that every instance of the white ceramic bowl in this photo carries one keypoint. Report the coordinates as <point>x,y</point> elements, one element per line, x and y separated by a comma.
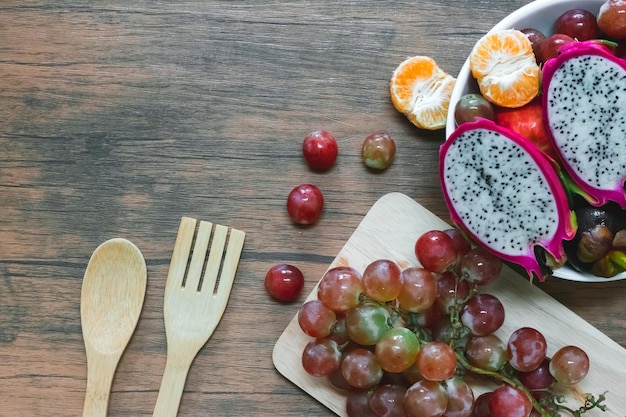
<point>541,15</point>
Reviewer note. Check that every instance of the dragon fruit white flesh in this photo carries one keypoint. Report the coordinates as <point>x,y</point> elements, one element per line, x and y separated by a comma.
<point>584,101</point>
<point>505,194</point>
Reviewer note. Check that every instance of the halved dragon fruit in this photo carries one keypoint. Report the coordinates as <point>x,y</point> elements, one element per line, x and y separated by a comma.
<point>584,101</point>
<point>506,195</point>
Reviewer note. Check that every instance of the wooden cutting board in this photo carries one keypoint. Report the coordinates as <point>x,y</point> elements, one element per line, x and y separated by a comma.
<point>389,230</point>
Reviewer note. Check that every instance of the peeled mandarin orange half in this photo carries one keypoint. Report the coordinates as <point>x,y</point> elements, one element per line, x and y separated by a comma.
<point>504,65</point>
<point>421,91</point>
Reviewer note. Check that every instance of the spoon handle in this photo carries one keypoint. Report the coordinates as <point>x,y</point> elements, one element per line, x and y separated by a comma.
<point>100,371</point>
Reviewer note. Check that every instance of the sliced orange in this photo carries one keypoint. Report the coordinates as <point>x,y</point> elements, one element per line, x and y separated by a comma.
<point>421,91</point>
<point>504,65</point>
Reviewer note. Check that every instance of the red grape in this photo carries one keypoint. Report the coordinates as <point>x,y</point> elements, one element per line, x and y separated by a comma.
<point>450,291</point>
<point>483,314</point>
<point>388,401</point>
<point>436,251</point>
<point>320,150</point>
<point>481,405</point>
<point>284,282</point>
<point>382,280</point>
<point>526,349</point>
<point>305,204</point>
<point>486,352</point>
<point>539,378</point>
<point>361,368</point>
<point>315,319</point>
<point>580,24</point>
<point>550,46</point>
<point>378,151</point>
<point>460,242</point>
<point>472,106</point>
<point>535,36</point>
<point>340,288</point>
<point>480,267</point>
<point>436,361</point>
<point>425,399</point>
<point>321,357</point>
<point>507,401</point>
<point>569,365</point>
<point>419,290</point>
<point>358,403</point>
<point>460,398</point>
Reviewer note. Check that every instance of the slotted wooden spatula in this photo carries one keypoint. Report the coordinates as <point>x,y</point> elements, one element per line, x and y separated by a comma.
<point>199,281</point>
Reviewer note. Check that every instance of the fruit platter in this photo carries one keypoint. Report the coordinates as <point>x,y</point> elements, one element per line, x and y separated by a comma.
<point>559,117</point>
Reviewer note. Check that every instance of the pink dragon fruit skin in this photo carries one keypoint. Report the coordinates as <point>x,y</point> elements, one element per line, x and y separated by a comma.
<point>584,104</point>
<point>505,194</point>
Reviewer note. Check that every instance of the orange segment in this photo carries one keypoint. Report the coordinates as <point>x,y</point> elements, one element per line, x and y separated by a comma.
<point>504,65</point>
<point>421,91</point>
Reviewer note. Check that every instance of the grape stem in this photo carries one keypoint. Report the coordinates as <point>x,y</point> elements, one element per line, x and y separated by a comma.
<point>505,379</point>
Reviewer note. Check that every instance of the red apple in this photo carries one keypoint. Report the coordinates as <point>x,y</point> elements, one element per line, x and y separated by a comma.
<point>528,122</point>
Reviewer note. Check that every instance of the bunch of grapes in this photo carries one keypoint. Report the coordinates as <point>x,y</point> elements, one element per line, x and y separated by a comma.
<point>400,342</point>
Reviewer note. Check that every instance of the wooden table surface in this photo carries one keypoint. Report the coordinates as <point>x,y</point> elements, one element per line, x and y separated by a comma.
<point>119,117</point>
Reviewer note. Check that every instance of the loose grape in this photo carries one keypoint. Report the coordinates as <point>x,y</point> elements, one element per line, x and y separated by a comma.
<point>483,314</point>
<point>378,151</point>
<point>382,280</point>
<point>569,365</point>
<point>526,349</point>
<point>480,267</point>
<point>397,349</point>
<point>486,352</point>
<point>388,401</point>
<point>315,319</point>
<point>321,357</point>
<point>436,361</point>
<point>320,150</point>
<point>419,290</point>
<point>472,106</point>
<point>361,368</point>
<point>367,323</point>
<point>507,401</point>
<point>305,204</point>
<point>579,24</point>
<point>425,399</point>
<point>436,251</point>
<point>460,398</point>
<point>340,288</point>
<point>284,282</point>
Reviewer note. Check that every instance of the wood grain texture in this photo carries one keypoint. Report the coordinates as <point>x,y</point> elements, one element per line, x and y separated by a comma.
<point>117,118</point>
<point>389,231</point>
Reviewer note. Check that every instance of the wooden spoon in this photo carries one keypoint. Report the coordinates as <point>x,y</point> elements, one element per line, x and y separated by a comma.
<point>112,296</point>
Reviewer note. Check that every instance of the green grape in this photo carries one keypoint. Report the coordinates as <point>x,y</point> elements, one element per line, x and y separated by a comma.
<point>367,323</point>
